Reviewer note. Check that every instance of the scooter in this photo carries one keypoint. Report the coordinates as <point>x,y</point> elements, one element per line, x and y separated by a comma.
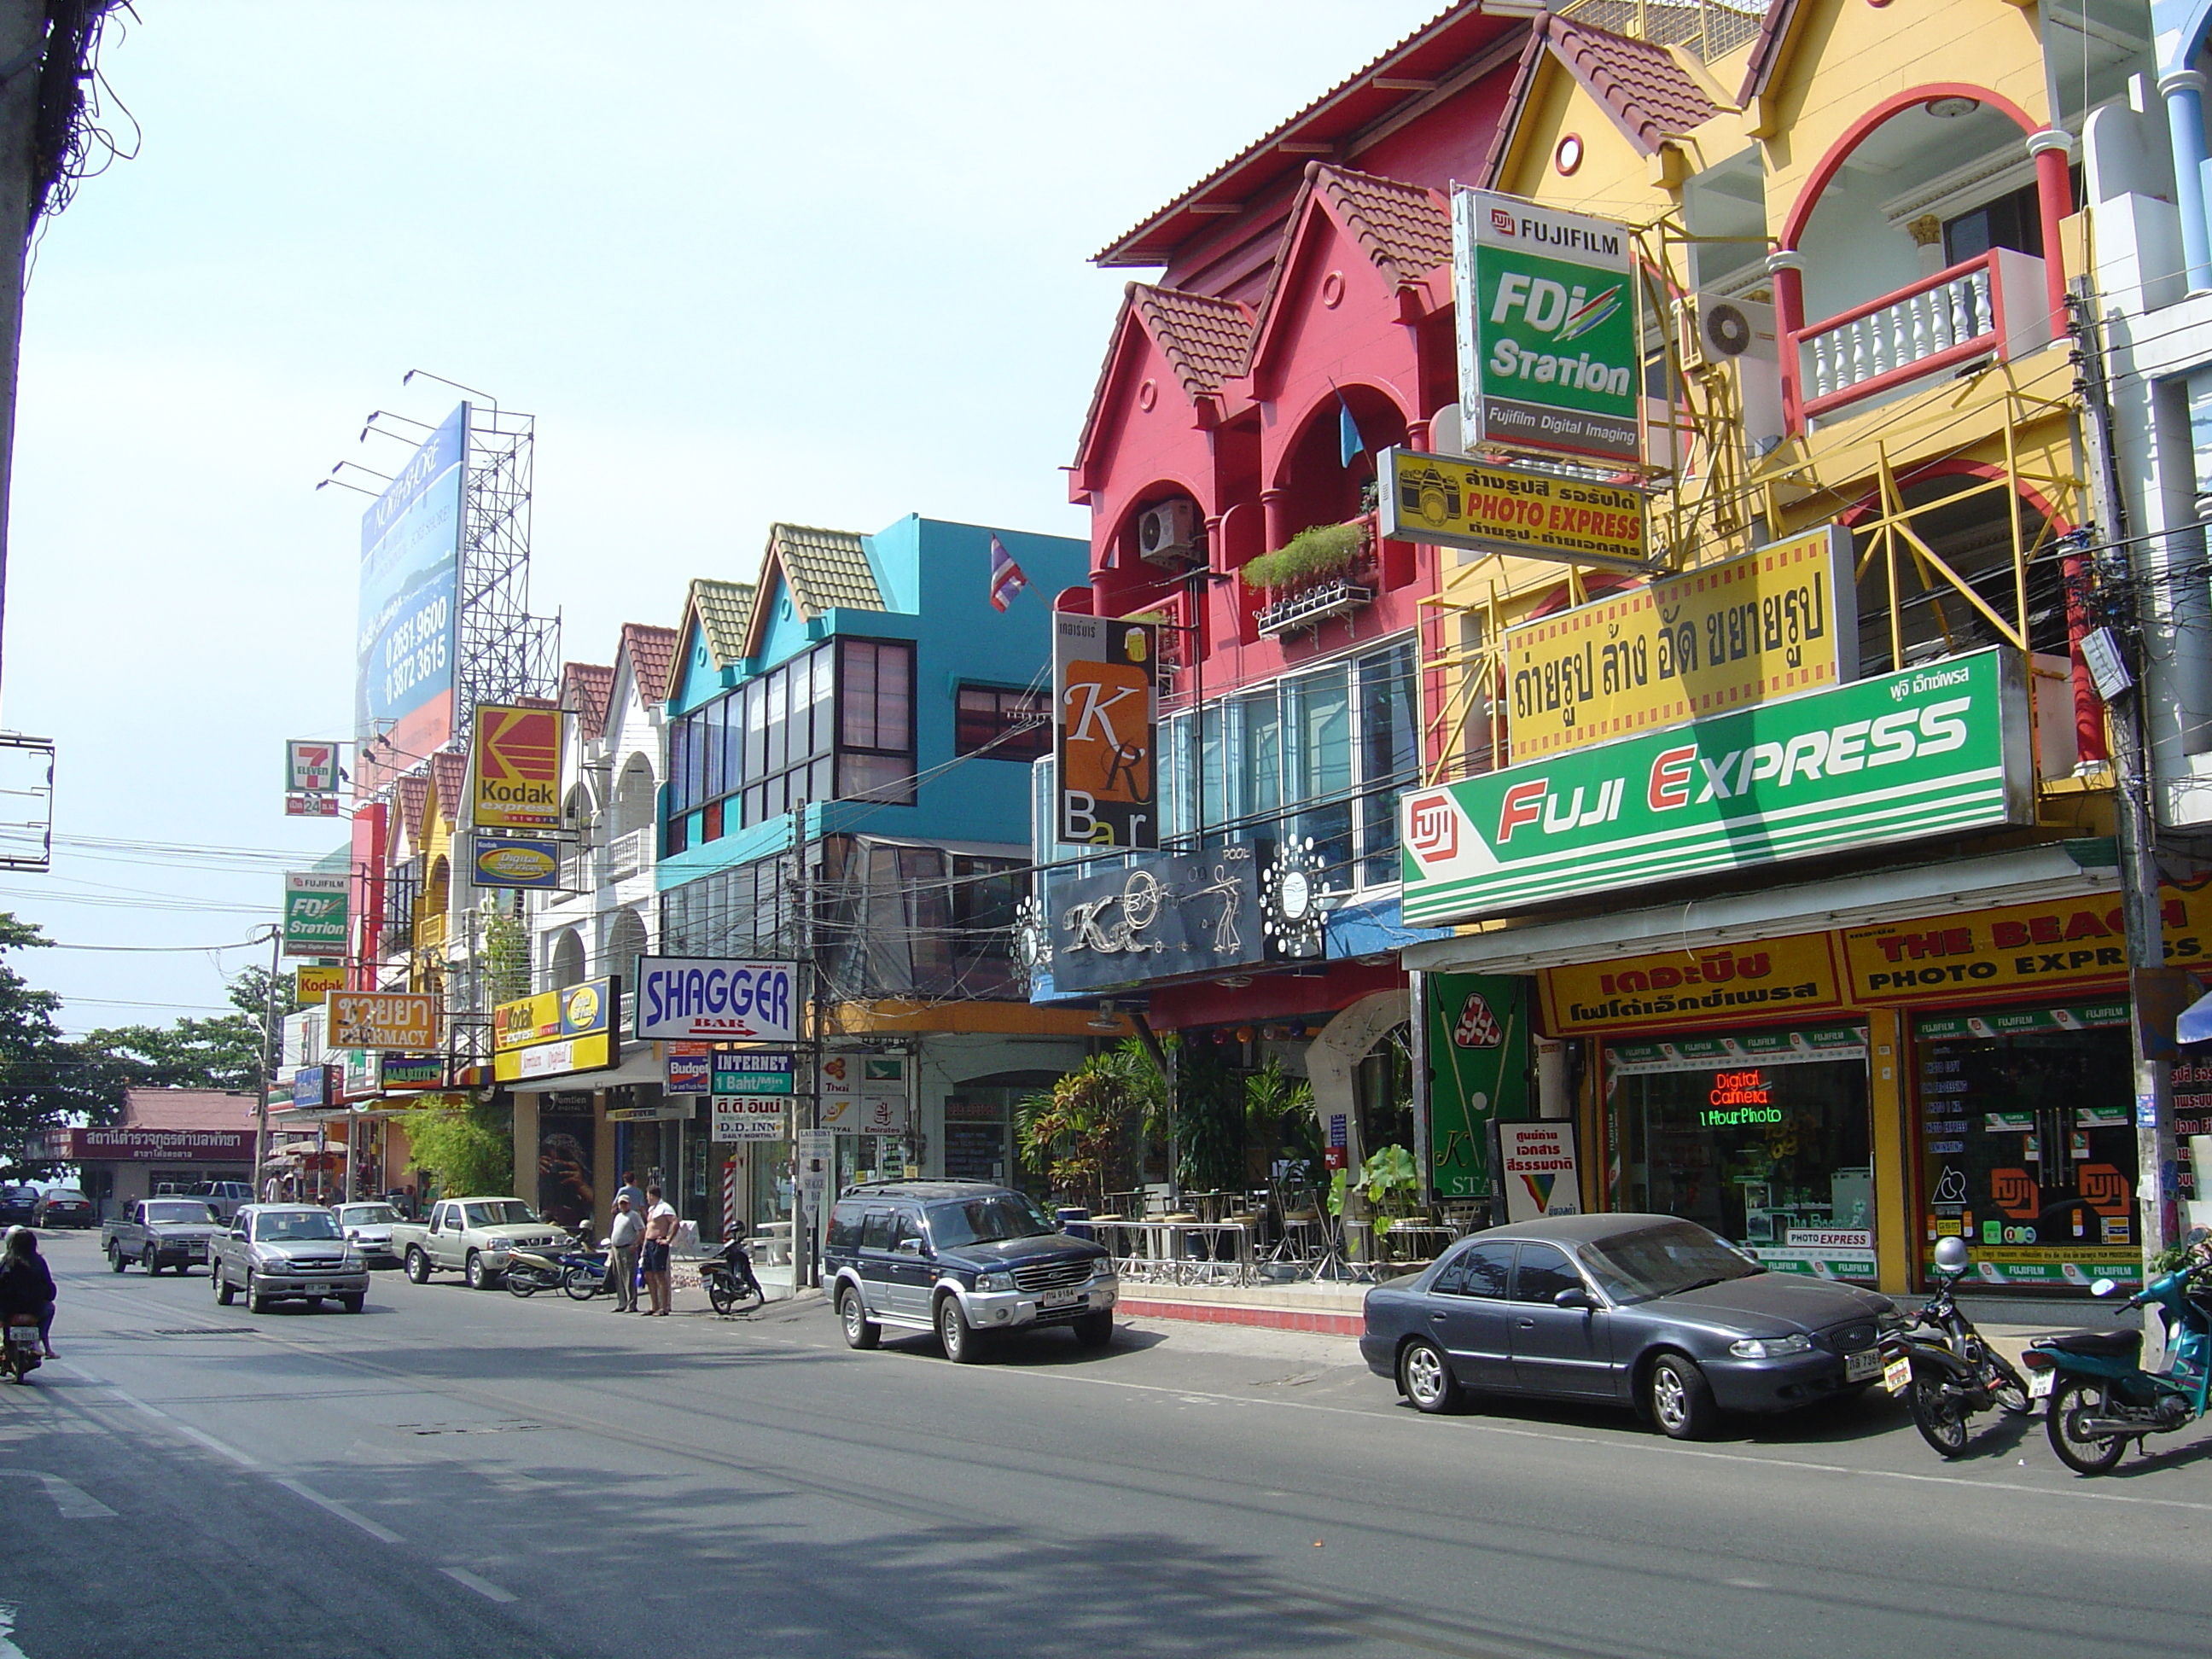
<point>727,1277</point>
<point>1942,1366</point>
<point>529,1272</point>
<point>584,1270</point>
<point>20,1354</point>
<point>2101,1395</point>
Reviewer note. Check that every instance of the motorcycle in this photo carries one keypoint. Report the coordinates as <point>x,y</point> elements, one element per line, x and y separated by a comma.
<point>19,1350</point>
<point>529,1272</point>
<point>1942,1366</point>
<point>727,1279</point>
<point>584,1270</point>
<point>2100,1396</point>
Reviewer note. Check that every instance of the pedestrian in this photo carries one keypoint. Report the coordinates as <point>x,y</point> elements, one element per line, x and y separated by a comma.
<point>660,1234</point>
<point>621,1254</point>
<point>26,1284</point>
<point>636,1193</point>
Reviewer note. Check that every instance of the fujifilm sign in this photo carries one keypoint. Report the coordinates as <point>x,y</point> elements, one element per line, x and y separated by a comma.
<point>1938,751</point>
<point>1548,339</point>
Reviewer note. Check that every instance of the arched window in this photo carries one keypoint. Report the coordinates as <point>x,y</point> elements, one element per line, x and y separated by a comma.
<point>633,796</point>
<point>564,966</point>
<point>626,943</point>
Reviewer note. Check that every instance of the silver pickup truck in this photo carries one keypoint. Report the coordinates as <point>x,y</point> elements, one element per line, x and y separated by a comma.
<point>288,1253</point>
<point>473,1236</point>
<point>159,1233</point>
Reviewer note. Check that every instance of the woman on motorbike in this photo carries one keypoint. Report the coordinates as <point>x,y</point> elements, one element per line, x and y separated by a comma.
<point>26,1284</point>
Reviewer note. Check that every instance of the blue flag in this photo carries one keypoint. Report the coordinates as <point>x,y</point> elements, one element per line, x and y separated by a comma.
<point>1348,440</point>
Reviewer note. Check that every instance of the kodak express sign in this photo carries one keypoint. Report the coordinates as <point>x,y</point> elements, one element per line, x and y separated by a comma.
<point>518,767</point>
<point>1943,749</point>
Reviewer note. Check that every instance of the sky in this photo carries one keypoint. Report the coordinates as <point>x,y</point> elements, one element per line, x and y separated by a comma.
<point>821,263</point>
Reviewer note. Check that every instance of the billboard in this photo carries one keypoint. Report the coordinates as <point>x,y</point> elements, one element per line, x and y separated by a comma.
<point>1774,623</point>
<point>511,861</point>
<point>1166,915</point>
<point>315,914</point>
<point>1443,500</point>
<point>1548,354</point>
<point>1942,749</point>
<point>403,1021</point>
<point>517,755</point>
<point>577,1029</point>
<point>406,648</point>
<point>691,998</point>
<point>311,983</point>
<point>311,767</point>
<point>1105,722</point>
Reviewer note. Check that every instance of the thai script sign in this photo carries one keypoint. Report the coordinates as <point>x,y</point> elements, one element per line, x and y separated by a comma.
<point>1166,913</point>
<point>1674,987</point>
<point>315,910</point>
<point>406,1021</point>
<point>1536,1169</point>
<point>2062,942</point>
<point>1943,749</point>
<point>143,1145</point>
<point>1502,509</point>
<point>1773,624</point>
<point>555,1032</point>
<point>1105,731</point>
<point>1548,355</point>
<point>751,1117</point>
<point>687,997</point>
<point>517,758</point>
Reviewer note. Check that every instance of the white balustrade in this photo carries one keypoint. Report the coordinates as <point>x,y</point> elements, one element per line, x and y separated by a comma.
<point>629,855</point>
<point>1919,323</point>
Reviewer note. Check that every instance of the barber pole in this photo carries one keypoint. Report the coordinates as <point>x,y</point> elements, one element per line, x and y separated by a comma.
<point>729,1198</point>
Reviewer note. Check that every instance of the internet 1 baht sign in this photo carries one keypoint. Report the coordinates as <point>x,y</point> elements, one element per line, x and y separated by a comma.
<point>1548,355</point>
<point>1934,751</point>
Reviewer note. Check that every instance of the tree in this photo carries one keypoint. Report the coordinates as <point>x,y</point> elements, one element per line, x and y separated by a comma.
<point>1077,1131</point>
<point>470,1150</point>
<point>223,1052</point>
<point>43,1082</point>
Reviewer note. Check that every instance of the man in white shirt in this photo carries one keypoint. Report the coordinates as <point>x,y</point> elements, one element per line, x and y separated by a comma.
<point>622,1240</point>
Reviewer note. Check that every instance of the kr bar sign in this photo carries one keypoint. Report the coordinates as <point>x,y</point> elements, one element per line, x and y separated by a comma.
<point>1943,749</point>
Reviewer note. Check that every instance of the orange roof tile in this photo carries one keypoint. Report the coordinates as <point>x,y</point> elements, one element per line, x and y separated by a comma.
<point>586,689</point>
<point>414,791</point>
<point>449,770</point>
<point>185,1108</point>
<point>652,654</point>
<point>1650,96</point>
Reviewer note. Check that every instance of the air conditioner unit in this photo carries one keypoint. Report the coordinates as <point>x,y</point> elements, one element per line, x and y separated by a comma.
<point>1722,332</point>
<point>1168,533</point>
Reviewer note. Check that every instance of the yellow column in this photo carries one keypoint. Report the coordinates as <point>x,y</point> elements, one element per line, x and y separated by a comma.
<point>605,1176</point>
<point>526,1149</point>
<point>1896,1226</point>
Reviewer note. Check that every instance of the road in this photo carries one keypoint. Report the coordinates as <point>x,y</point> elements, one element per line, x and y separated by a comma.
<point>461,1473</point>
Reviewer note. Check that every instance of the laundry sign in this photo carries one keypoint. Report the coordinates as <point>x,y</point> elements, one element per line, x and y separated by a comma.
<point>1941,749</point>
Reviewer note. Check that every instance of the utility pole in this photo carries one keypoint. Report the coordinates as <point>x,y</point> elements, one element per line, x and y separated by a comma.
<point>268,1067</point>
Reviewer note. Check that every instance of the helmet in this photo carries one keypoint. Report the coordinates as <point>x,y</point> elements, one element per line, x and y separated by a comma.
<point>1951,1255</point>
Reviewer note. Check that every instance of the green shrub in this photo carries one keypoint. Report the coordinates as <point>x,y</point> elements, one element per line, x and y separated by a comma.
<point>1326,549</point>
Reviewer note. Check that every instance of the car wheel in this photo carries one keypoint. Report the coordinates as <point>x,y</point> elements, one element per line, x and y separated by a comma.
<point>151,1265</point>
<point>479,1276</point>
<point>1680,1398</point>
<point>860,1331</point>
<point>224,1293</point>
<point>255,1302</point>
<point>352,1304</point>
<point>2073,1400</point>
<point>418,1265</point>
<point>1094,1330</point>
<point>955,1334</point>
<point>114,1259</point>
<point>1426,1377</point>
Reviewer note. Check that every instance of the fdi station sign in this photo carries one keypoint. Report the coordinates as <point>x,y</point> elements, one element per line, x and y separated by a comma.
<point>315,912</point>
<point>1105,728</point>
<point>1776,623</point>
<point>693,999</point>
<point>1164,915</point>
<point>1943,749</point>
<point>1548,350</point>
<point>1446,501</point>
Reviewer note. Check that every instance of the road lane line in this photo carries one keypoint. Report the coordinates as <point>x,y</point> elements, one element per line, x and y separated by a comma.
<point>344,1512</point>
<point>8,1649</point>
<point>482,1587</point>
<point>74,1502</point>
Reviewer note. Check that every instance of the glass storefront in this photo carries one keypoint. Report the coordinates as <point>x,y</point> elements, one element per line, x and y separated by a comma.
<point>2028,1142</point>
<point>1765,1137</point>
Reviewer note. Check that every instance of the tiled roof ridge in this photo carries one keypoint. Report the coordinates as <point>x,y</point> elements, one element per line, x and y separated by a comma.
<point>449,768</point>
<point>1649,91</point>
<point>593,684</point>
<point>413,790</point>
<point>724,610</point>
<point>1205,340</point>
<point>827,569</point>
<point>1405,228</point>
<point>652,650</point>
<point>1766,50</point>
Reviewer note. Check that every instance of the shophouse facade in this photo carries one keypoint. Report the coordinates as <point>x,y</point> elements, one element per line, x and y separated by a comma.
<point>1833,1020</point>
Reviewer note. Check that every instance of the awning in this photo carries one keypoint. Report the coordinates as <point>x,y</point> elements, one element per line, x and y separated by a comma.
<point>2032,875</point>
<point>641,1063</point>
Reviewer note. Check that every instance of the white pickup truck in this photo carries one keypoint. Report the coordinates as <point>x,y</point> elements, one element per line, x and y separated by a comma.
<point>472,1237</point>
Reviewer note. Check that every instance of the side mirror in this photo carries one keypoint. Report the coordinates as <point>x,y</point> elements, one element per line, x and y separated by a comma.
<point>2102,1287</point>
<point>1575,1296</point>
<point>910,1247</point>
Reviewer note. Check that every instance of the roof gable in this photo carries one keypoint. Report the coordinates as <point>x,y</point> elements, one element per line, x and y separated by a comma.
<point>449,783</point>
<point>651,652</point>
<point>414,793</point>
<point>586,689</point>
<point>823,570</point>
<point>1405,230</point>
<point>1642,89</point>
<point>1204,341</point>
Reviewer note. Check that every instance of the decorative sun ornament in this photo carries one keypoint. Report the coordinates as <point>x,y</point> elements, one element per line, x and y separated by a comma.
<point>1290,899</point>
<point>1032,940</point>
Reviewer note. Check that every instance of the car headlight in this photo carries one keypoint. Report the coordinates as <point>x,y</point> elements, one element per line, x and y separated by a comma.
<point>274,1265</point>
<point>1770,1347</point>
<point>1103,1268</point>
<point>353,1262</point>
<point>994,1281</point>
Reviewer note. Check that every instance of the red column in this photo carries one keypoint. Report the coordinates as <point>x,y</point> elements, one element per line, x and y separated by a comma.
<point>2054,200</point>
<point>1786,267</point>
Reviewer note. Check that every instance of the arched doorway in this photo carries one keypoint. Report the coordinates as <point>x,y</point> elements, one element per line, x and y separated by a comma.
<point>564,964</point>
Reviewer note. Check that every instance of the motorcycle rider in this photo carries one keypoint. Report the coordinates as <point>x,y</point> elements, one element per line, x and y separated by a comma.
<point>26,1284</point>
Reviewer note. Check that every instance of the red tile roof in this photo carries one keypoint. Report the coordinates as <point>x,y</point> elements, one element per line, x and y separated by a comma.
<point>1405,229</point>
<point>1650,96</point>
<point>1205,339</point>
<point>1766,51</point>
<point>185,1108</point>
<point>449,770</point>
<point>652,654</point>
<point>586,689</point>
<point>413,792</point>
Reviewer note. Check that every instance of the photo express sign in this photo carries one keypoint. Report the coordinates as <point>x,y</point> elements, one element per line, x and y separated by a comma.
<point>681,997</point>
<point>1935,751</point>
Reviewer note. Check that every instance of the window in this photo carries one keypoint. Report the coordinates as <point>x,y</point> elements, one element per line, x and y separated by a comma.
<point>876,1231</point>
<point>1007,725</point>
<point>2014,221</point>
<point>875,737</point>
<point>1479,1270</point>
<point>1544,1272</point>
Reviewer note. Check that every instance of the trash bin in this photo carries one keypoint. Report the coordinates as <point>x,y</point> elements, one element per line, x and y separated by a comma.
<point>1074,1221</point>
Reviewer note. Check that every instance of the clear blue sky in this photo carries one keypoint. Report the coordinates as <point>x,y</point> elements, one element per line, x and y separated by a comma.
<point>826,263</point>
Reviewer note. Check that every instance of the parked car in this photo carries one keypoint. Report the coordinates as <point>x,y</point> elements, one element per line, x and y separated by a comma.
<point>19,1207</point>
<point>161,1232</point>
<point>223,1197</point>
<point>1645,1310</point>
<point>64,1207</point>
<point>367,1228</point>
<point>471,1236</point>
<point>964,1259</point>
<point>288,1253</point>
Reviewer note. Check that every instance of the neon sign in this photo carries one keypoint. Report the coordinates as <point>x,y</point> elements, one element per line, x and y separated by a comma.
<point>1739,1098</point>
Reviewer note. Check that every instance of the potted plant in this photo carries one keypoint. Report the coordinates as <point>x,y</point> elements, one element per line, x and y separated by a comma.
<point>1310,556</point>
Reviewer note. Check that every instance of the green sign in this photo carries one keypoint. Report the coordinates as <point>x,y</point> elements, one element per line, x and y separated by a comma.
<point>1942,749</point>
<point>1549,356</point>
<point>315,915</point>
<point>1477,1030</point>
<point>2005,1021</point>
<point>1802,1045</point>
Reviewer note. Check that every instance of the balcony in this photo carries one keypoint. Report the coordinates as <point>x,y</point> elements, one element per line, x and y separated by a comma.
<point>1314,577</point>
<point>1992,307</point>
<point>630,855</point>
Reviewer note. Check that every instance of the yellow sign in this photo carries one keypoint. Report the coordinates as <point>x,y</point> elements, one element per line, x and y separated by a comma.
<point>1439,500</point>
<point>405,1021</point>
<point>1738,983</point>
<point>1773,624</point>
<point>310,984</point>
<point>2064,943</point>
<point>576,1028</point>
<point>518,767</point>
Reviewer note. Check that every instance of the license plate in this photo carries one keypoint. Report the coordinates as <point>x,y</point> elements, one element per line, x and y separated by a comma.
<point>315,1290</point>
<point>1060,1298</point>
<point>2039,1384</point>
<point>1859,1367</point>
<point>1897,1376</point>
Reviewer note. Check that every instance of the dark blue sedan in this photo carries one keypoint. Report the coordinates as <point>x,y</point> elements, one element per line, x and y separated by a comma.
<point>1645,1310</point>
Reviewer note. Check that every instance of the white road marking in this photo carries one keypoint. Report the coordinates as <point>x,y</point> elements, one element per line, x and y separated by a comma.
<point>73,1504</point>
<point>482,1587</point>
<point>8,1649</point>
<point>382,1534</point>
<point>185,1429</point>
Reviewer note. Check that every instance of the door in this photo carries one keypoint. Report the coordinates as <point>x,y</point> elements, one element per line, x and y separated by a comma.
<point>1558,1350</point>
<point>912,1272</point>
<point>1470,1315</point>
<point>875,1261</point>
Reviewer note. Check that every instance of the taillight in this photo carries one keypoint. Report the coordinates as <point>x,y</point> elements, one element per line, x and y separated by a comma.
<point>2037,1360</point>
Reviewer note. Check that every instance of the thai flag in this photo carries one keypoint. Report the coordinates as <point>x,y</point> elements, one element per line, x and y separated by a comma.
<point>1006,578</point>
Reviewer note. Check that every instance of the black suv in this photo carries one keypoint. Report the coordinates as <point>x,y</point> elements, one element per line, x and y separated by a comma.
<point>961,1258</point>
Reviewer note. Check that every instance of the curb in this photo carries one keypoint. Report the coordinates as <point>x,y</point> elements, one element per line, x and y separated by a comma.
<point>1232,1313</point>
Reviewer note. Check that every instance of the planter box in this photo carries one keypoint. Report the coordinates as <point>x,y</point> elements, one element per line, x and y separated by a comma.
<point>1309,607</point>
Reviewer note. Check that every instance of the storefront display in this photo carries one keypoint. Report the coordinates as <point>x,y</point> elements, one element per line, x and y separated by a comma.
<point>2027,1141</point>
<point>1763,1137</point>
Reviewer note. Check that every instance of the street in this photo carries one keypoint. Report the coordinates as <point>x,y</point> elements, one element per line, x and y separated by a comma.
<point>467,1473</point>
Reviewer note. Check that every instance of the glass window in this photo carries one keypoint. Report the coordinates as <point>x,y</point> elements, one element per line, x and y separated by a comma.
<point>1544,1272</point>
<point>906,1224</point>
<point>1479,1270</point>
<point>876,1231</point>
<point>1387,751</point>
<point>1007,724</point>
<point>712,719</point>
<point>1317,721</point>
<point>774,694</point>
<point>876,722</point>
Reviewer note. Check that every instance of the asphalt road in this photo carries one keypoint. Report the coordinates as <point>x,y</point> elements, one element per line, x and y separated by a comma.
<point>471,1476</point>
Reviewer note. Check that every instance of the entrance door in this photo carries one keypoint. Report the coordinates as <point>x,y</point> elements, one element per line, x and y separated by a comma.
<point>1561,1350</point>
<point>1469,1314</point>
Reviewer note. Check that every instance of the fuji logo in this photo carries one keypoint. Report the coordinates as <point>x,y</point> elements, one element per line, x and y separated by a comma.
<point>1433,828</point>
<point>1502,221</point>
